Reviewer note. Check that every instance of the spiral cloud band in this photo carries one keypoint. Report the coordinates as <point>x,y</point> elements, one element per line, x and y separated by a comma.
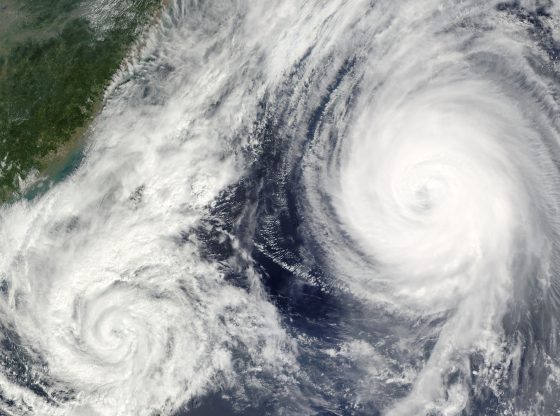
<point>317,207</point>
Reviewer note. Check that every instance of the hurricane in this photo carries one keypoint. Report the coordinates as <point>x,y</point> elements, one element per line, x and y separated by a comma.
<point>313,207</point>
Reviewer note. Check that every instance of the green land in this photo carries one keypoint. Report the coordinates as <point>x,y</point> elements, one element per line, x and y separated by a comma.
<point>56,59</point>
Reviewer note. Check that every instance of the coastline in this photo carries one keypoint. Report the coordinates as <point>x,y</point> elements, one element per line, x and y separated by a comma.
<point>49,156</point>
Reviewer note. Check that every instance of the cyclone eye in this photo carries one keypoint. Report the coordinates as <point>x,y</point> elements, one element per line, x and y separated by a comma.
<point>426,196</point>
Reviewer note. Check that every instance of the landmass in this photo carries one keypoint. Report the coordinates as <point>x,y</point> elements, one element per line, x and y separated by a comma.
<point>56,60</point>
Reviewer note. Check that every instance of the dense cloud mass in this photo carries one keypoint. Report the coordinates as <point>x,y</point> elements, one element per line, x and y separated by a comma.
<point>302,207</point>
